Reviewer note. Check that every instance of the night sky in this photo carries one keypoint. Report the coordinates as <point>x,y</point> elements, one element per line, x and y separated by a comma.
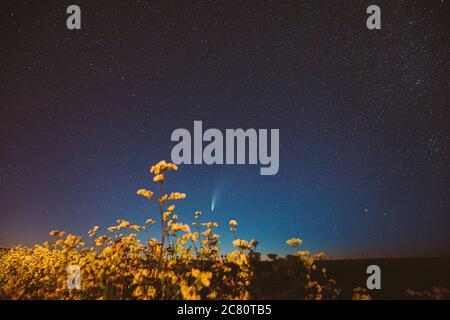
<point>363,118</point>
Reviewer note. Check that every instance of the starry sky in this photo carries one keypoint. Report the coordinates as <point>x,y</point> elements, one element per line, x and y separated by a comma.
<point>363,118</point>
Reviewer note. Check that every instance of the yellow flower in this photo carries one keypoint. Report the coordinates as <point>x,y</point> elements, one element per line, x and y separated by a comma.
<point>209,224</point>
<point>72,240</point>
<point>360,294</point>
<point>151,292</point>
<point>58,234</point>
<point>203,277</point>
<point>189,292</point>
<point>243,244</point>
<point>178,226</point>
<point>195,236</point>
<point>233,223</point>
<point>166,215</point>
<point>254,242</point>
<point>177,196</point>
<point>308,261</point>
<point>161,166</point>
<point>294,242</point>
<point>238,257</point>
<point>145,193</point>
<point>319,255</point>
<point>112,229</point>
<point>172,196</point>
<point>159,178</point>
<point>135,227</point>
<point>195,272</point>
<point>93,231</point>
<point>122,225</point>
<point>100,241</point>
<point>138,292</point>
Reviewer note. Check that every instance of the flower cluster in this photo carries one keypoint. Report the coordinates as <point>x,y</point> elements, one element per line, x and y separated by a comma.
<point>294,242</point>
<point>361,294</point>
<point>126,262</point>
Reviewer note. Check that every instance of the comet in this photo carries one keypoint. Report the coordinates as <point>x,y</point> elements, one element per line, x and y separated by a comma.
<point>215,195</point>
<point>213,203</point>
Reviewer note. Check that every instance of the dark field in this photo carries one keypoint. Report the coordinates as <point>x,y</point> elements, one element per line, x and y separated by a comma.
<point>397,275</point>
<point>428,276</point>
